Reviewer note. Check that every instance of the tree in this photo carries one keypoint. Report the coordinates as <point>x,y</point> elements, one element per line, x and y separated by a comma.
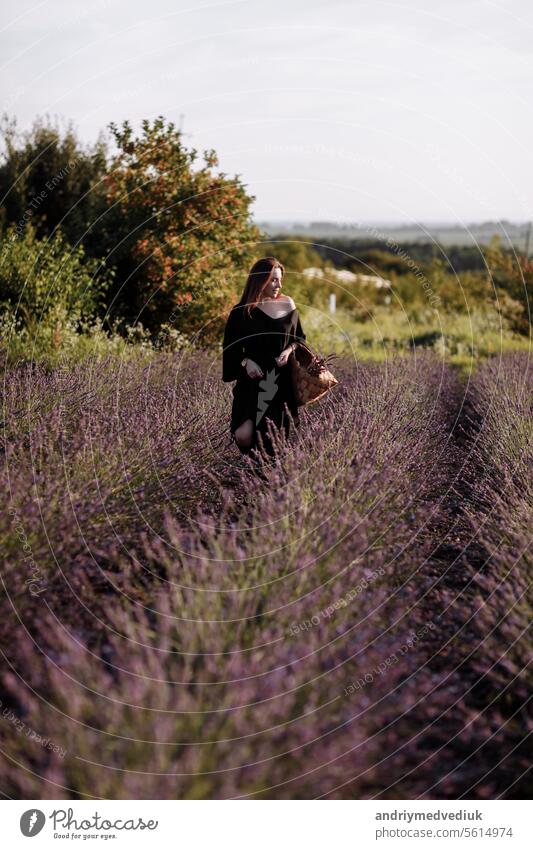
<point>180,237</point>
<point>48,179</point>
<point>512,276</point>
<point>295,253</point>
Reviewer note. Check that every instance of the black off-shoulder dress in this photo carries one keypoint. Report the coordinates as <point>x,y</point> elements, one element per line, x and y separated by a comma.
<point>261,338</point>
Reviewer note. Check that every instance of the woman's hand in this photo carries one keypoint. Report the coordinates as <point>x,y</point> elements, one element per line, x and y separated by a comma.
<point>283,358</point>
<point>252,369</point>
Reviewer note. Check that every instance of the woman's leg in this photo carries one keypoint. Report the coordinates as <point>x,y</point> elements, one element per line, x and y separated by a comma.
<point>244,434</point>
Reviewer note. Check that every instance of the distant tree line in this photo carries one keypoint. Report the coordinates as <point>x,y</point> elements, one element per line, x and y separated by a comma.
<point>458,277</point>
<point>354,253</point>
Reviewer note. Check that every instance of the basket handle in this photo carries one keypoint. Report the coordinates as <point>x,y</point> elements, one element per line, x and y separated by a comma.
<point>324,360</point>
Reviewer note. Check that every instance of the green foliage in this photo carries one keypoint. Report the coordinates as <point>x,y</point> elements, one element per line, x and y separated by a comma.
<point>179,235</point>
<point>79,340</point>
<point>460,339</point>
<point>46,285</point>
<point>48,179</point>
<point>377,261</point>
<point>295,255</point>
<point>511,275</point>
<point>387,255</point>
<point>179,238</point>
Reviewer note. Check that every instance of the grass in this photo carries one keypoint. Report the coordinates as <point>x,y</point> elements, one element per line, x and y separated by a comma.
<point>458,339</point>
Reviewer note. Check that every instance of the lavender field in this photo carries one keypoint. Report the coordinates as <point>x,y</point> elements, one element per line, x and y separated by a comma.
<point>349,620</point>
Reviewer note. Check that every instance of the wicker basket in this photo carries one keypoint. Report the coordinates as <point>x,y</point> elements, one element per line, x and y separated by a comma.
<point>311,377</point>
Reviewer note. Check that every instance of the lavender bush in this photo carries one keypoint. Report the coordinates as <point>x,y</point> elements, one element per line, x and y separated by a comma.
<point>189,626</point>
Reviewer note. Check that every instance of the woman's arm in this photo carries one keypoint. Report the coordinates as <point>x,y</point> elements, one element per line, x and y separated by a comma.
<point>298,333</point>
<point>232,347</point>
<point>294,337</point>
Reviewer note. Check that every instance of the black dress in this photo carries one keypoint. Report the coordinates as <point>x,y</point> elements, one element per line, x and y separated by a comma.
<point>261,338</point>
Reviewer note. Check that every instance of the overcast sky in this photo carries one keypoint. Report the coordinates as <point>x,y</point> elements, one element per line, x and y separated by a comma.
<point>358,111</point>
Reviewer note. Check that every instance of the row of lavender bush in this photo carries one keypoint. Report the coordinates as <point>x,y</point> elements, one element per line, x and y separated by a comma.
<point>177,628</point>
<point>474,738</point>
<point>499,519</point>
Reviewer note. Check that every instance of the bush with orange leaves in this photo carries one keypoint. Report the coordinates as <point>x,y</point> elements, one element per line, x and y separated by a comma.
<point>180,235</point>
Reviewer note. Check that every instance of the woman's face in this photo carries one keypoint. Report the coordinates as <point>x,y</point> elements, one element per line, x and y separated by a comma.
<point>273,287</point>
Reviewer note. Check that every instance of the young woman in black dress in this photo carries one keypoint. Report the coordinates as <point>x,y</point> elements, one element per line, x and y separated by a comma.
<point>260,333</point>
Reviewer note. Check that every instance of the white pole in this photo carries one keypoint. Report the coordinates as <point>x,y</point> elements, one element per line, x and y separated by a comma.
<point>332,303</point>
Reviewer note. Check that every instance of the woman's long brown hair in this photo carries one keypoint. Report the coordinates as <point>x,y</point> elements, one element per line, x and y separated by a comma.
<point>257,281</point>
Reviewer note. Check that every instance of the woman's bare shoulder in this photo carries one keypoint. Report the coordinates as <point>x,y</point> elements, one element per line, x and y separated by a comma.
<point>290,301</point>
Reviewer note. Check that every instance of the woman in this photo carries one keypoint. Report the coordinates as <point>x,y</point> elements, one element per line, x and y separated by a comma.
<point>260,334</point>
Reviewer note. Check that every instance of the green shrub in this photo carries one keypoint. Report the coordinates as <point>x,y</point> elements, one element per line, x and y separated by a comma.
<point>45,281</point>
